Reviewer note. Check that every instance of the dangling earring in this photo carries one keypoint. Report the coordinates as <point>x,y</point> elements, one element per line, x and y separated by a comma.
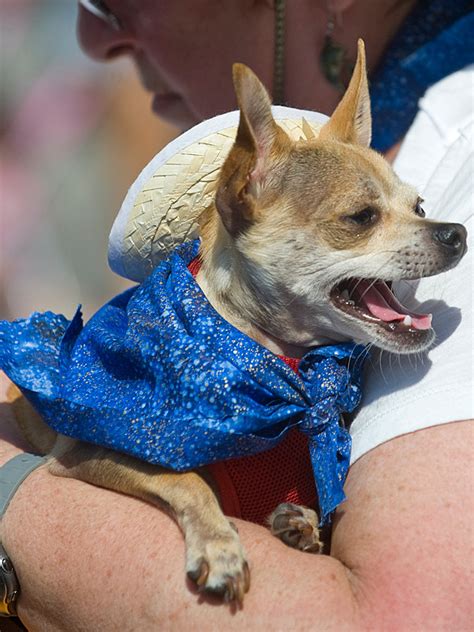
<point>333,58</point>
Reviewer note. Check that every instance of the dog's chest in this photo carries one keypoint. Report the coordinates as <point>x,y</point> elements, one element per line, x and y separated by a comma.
<point>251,487</point>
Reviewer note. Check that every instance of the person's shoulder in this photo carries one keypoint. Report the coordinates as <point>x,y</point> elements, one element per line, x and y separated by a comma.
<point>449,101</point>
<point>445,116</point>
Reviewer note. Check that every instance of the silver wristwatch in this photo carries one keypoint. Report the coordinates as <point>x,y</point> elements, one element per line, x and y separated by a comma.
<point>9,586</point>
<point>12,474</point>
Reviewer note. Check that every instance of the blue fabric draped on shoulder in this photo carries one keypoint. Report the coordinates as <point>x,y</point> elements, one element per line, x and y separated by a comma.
<point>434,41</point>
<point>158,374</point>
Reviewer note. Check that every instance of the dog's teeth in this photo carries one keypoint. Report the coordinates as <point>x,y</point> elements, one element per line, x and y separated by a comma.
<point>345,295</point>
<point>407,321</point>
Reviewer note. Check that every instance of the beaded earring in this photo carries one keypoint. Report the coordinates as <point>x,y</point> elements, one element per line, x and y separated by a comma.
<point>335,64</point>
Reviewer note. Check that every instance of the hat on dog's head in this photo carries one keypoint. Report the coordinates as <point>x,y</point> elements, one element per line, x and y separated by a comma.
<point>163,205</point>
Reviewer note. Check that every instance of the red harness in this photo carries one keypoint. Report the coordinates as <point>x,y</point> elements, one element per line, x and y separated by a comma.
<point>251,487</point>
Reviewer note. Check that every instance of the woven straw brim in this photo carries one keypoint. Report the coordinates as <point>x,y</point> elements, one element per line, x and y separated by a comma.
<point>162,207</point>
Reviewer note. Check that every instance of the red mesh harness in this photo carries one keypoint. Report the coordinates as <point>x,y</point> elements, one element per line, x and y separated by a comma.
<point>251,487</point>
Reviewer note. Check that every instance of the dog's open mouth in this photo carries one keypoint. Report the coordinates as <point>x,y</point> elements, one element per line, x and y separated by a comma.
<point>373,301</point>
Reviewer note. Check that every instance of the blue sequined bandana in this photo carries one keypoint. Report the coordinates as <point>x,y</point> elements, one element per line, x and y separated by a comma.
<point>158,374</point>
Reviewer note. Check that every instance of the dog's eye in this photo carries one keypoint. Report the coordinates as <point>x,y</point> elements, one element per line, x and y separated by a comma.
<point>418,209</point>
<point>363,218</point>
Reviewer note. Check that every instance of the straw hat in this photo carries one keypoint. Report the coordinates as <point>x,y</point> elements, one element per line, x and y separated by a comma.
<point>163,205</point>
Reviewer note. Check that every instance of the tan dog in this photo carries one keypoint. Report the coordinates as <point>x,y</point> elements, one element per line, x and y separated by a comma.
<point>291,224</point>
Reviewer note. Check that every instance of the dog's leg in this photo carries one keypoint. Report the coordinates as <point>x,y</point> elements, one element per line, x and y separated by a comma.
<point>297,527</point>
<point>40,436</point>
<point>215,560</point>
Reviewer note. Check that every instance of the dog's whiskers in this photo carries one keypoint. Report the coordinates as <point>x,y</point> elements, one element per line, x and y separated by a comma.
<point>381,367</point>
<point>365,351</point>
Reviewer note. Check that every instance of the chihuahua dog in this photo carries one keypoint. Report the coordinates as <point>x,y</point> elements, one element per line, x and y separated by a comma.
<point>299,249</point>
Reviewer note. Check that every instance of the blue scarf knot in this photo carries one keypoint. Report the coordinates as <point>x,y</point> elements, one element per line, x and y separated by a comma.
<point>323,423</point>
<point>158,374</point>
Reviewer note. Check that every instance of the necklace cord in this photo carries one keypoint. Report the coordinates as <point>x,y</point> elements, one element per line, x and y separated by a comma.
<point>279,54</point>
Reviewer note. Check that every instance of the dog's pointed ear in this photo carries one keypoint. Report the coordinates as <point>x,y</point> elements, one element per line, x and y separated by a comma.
<point>257,128</point>
<point>248,164</point>
<point>351,121</point>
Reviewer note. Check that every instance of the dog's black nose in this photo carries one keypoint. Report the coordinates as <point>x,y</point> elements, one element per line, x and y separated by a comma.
<point>452,236</point>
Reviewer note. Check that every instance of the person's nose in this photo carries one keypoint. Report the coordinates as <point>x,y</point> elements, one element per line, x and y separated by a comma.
<point>100,40</point>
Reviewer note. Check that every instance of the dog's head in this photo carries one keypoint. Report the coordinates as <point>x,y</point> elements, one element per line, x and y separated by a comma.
<point>312,233</point>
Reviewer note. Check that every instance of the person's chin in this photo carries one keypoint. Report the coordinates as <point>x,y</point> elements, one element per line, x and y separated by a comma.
<point>172,109</point>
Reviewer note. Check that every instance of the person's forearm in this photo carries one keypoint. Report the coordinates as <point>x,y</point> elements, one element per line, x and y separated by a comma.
<point>88,558</point>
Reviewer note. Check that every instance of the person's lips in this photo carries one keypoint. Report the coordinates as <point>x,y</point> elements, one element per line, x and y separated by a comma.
<point>171,107</point>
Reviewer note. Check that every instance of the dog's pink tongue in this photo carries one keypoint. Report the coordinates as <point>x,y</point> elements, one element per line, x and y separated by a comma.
<point>381,303</point>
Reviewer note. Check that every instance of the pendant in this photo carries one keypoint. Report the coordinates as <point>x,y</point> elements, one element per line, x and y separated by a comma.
<point>334,64</point>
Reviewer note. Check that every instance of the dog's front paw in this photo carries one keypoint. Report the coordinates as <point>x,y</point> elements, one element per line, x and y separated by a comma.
<point>217,564</point>
<point>297,527</point>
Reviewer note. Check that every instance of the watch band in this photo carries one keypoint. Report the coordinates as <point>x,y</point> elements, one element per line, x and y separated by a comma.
<point>12,474</point>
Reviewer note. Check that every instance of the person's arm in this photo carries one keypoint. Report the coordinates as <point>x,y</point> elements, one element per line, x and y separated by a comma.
<point>88,558</point>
